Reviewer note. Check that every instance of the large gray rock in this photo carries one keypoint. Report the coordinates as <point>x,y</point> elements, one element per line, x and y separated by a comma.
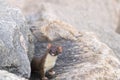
<point>4,75</point>
<point>84,57</point>
<point>14,41</point>
<point>83,54</point>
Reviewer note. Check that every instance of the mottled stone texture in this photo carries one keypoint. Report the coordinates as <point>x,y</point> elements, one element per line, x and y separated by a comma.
<point>101,17</point>
<point>4,75</point>
<point>84,57</point>
<point>14,41</point>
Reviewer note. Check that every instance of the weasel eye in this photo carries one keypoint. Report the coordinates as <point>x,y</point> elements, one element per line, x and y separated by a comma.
<point>50,51</point>
<point>57,52</point>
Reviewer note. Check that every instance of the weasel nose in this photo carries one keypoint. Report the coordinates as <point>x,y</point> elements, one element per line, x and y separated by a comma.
<point>52,54</point>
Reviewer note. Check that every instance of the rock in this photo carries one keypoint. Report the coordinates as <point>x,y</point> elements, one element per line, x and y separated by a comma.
<point>93,60</point>
<point>100,17</point>
<point>14,41</point>
<point>84,57</point>
<point>54,30</point>
<point>4,75</point>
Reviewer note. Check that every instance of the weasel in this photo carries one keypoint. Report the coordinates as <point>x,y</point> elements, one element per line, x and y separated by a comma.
<point>46,62</point>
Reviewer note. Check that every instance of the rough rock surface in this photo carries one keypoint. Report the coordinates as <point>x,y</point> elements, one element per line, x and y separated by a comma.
<point>4,75</point>
<point>84,57</point>
<point>14,41</point>
<point>101,17</point>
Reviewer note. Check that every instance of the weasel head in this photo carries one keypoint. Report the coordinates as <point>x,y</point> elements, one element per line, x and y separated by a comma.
<point>54,50</point>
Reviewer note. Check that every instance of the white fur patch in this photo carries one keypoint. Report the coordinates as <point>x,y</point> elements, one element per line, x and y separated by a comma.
<point>50,62</point>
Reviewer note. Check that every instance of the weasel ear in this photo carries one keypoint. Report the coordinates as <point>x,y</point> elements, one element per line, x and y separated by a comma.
<point>60,49</point>
<point>48,46</point>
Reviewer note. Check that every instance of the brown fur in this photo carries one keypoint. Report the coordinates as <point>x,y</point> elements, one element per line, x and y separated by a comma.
<point>38,63</point>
